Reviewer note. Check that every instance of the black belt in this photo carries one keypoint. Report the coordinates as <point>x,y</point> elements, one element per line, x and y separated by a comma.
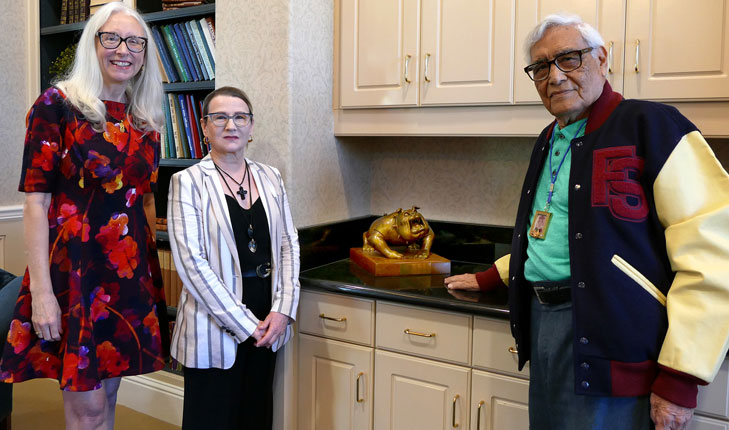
<point>261,271</point>
<point>552,293</point>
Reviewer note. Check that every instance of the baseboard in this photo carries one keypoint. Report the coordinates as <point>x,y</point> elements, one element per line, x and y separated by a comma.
<point>158,395</point>
<point>11,212</point>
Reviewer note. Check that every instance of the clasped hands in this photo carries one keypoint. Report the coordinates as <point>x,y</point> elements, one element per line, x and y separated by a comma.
<point>270,329</point>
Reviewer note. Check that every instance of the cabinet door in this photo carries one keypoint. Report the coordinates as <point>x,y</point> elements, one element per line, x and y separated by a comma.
<point>680,49</point>
<point>379,52</point>
<point>499,402</point>
<point>607,16</point>
<point>414,393</point>
<point>335,385</point>
<point>466,52</point>
<point>714,398</point>
<point>704,423</point>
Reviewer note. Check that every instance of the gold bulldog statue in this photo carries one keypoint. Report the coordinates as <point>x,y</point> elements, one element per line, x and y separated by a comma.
<point>402,227</point>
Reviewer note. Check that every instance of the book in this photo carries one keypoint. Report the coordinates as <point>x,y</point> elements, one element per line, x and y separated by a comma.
<point>205,145</point>
<point>164,55</point>
<point>162,70</point>
<point>176,55</point>
<point>85,14</point>
<point>183,148</point>
<point>196,144</point>
<point>186,123</point>
<point>193,43</point>
<point>63,19</point>
<point>169,138</point>
<point>187,48</point>
<point>209,39</point>
<point>174,115</point>
<point>196,113</point>
<point>200,42</point>
<point>184,54</point>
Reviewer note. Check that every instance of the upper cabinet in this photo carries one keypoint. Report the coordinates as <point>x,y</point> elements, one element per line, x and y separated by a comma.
<point>658,50</point>
<point>425,52</point>
<point>677,50</point>
<point>464,61</point>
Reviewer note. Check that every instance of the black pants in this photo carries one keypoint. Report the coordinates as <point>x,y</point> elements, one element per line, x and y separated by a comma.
<point>237,398</point>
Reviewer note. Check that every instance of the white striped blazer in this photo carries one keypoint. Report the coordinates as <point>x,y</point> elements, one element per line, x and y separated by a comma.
<point>211,319</point>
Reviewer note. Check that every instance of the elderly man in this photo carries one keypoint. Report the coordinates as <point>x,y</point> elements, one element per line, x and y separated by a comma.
<point>619,269</point>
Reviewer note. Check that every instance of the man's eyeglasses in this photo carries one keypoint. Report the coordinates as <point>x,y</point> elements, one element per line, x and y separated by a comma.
<point>111,40</point>
<point>566,62</point>
<point>240,119</point>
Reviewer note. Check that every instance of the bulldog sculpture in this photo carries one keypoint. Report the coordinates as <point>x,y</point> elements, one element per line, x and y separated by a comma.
<point>402,227</point>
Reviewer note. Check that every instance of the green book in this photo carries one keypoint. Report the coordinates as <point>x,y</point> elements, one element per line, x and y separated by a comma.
<point>176,54</point>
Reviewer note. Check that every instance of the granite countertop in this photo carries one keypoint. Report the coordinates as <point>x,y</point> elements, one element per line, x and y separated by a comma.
<point>346,277</point>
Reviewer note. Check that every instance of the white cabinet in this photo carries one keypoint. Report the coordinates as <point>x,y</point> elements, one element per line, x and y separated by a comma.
<point>677,50</point>
<point>335,385</point>
<point>657,50</point>
<point>424,52</point>
<point>414,393</point>
<point>499,402</point>
<point>335,377</point>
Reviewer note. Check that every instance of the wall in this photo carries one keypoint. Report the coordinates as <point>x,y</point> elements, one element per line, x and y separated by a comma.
<point>280,53</point>
<point>13,86</point>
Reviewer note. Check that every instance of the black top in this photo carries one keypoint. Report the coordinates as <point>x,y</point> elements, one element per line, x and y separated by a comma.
<point>256,291</point>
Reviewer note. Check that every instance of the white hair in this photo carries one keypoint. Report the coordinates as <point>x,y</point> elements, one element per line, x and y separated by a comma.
<point>589,34</point>
<point>84,83</point>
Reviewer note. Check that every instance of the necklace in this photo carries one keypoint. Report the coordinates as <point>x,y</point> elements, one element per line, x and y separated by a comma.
<point>241,191</point>
<point>252,245</point>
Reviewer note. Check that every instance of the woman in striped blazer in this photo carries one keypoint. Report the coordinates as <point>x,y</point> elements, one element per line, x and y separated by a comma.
<point>237,252</point>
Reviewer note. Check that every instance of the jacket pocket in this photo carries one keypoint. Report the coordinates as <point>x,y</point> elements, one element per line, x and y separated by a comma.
<point>639,279</point>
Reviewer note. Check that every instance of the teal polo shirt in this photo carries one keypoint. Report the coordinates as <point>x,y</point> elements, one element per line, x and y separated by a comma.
<point>548,259</point>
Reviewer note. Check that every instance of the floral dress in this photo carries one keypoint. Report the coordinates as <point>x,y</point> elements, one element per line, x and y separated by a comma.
<point>103,260</point>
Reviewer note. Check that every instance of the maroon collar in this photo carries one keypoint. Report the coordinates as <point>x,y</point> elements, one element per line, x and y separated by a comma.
<point>600,111</point>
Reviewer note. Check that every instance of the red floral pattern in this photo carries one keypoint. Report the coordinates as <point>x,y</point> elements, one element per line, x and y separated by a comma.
<point>101,250</point>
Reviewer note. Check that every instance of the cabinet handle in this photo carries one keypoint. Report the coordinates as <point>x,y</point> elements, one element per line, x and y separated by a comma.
<point>637,55</point>
<point>427,61</point>
<point>357,394</point>
<point>610,57</point>
<point>513,350</point>
<point>455,424</point>
<point>407,67</point>
<point>415,333</point>
<point>324,317</point>
<point>478,415</point>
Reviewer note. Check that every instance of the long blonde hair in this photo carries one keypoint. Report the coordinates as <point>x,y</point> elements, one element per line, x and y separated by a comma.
<point>84,83</point>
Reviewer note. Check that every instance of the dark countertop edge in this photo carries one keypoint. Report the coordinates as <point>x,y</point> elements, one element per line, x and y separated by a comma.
<point>320,285</point>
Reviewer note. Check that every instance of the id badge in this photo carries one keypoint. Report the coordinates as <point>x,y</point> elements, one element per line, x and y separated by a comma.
<point>540,223</point>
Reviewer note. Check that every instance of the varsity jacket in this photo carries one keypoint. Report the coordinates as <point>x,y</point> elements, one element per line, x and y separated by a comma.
<point>649,253</point>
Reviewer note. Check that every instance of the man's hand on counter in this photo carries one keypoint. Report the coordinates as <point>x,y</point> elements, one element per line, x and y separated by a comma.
<point>466,281</point>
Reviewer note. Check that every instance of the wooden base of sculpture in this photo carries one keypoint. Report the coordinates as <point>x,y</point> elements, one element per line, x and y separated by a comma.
<point>378,265</point>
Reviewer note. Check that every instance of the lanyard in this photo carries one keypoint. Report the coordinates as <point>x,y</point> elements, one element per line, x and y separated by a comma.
<point>553,175</point>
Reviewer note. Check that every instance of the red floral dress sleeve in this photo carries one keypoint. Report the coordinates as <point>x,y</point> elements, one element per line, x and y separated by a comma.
<point>43,143</point>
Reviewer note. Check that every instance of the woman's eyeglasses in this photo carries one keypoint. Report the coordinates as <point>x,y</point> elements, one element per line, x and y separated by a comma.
<point>111,40</point>
<point>240,119</point>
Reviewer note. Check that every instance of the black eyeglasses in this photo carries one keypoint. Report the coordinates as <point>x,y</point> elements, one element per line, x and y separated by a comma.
<point>111,40</point>
<point>240,119</point>
<point>566,62</point>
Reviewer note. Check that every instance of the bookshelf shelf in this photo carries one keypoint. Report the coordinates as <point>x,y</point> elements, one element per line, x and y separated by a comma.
<point>178,162</point>
<point>189,86</point>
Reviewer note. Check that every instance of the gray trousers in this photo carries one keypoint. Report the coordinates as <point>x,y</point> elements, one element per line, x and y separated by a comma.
<point>553,404</point>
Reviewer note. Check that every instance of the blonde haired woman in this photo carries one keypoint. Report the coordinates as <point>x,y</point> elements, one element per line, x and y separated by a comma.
<point>87,313</point>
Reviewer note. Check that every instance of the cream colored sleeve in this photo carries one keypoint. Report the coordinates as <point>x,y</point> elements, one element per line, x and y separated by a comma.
<point>502,266</point>
<point>692,201</point>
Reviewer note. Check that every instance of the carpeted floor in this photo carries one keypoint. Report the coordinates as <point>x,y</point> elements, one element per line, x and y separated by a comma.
<point>37,404</point>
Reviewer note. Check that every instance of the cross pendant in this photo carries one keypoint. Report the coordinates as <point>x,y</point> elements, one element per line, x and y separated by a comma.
<point>242,193</point>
